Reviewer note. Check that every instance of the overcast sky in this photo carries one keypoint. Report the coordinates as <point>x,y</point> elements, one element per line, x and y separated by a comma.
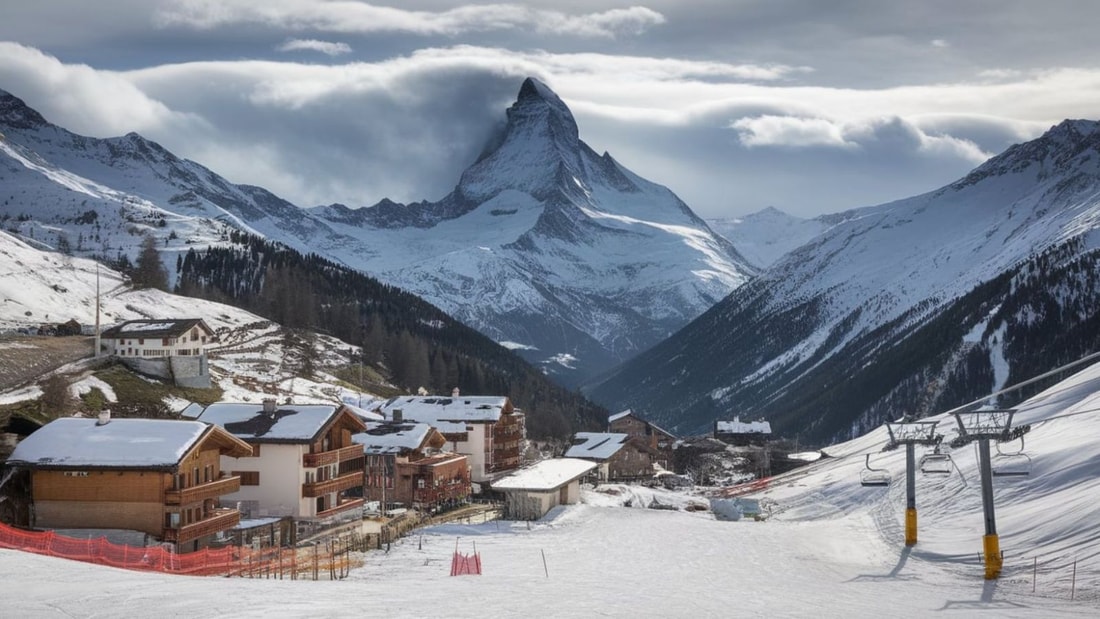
<point>812,107</point>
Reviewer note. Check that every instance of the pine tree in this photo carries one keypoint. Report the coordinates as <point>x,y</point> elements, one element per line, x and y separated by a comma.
<point>149,271</point>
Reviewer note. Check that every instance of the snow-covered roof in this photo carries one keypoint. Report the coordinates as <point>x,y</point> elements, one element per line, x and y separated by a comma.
<point>391,438</point>
<point>121,443</point>
<point>192,411</point>
<point>154,328</point>
<point>289,423</point>
<point>743,427</point>
<point>545,475</point>
<point>620,415</point>
<point>596,445</point>
<point>432,409</point>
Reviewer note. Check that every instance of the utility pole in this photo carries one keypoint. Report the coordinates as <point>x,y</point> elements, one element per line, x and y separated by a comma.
<point>96,354</point>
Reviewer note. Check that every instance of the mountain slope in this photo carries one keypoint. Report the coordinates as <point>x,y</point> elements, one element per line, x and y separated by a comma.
<point>545,246</point>
<point>766,236</point>
<point>907,307</point>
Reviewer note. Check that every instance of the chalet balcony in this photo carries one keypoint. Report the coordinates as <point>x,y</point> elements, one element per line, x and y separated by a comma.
<point>334,456</point>
<point>223,519</point>
<point>345,505</point>
<point>336,484</point>
<point>202,492</point>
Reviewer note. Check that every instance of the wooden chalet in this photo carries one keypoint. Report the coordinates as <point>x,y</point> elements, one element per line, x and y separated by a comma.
<point>405,466</point>
<point>629,423</point>
<point>160,477</point>
<point>304,463</point>
<point>619,457</point>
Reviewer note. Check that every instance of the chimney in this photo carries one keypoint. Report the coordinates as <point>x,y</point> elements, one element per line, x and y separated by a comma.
<point>454,394</point>
<point>269,406</point>
<point>398,414</point>
<point>104,417</point>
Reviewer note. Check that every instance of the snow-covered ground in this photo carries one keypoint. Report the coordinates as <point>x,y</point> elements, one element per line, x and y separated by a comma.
<point>831,547</point>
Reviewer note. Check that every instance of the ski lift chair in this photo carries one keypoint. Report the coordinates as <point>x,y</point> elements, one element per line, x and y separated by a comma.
<point>1014,464</point>
<point>873,477</point>
<point>936,463</point>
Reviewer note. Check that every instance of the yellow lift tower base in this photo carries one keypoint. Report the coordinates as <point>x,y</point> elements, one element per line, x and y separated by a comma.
<point>992,557</point>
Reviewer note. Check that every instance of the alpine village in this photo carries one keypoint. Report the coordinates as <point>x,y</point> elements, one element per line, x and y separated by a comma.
<point>201,378</point>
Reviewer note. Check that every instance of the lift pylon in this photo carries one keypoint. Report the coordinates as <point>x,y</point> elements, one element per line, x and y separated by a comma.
<point>981,426</point>
<point>911,434</point>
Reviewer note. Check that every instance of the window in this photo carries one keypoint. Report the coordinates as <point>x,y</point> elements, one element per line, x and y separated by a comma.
<point>255,450</point>
<point>248,478</point>
<point>208,473</point>
<point>141,341</point>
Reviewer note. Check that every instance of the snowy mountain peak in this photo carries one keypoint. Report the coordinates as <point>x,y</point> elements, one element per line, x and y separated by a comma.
<point>541,147</point>
<point>1070,147</point>
<point>15,113</point>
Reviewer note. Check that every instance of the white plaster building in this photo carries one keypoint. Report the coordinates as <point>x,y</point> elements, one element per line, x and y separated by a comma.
<point>304,463</point>
<point>159,338</point>
<point>487,429</point>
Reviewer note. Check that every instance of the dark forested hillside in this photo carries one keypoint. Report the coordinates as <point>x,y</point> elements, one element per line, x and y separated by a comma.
<point>413,342</point>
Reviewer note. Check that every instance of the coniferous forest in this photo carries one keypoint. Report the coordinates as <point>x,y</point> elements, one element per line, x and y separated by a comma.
<point>410,340</point>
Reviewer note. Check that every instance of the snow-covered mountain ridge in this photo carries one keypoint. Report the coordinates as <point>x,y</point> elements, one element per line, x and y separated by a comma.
<point>946,286</point>
<point>544,245</point>
<point>766,236</point>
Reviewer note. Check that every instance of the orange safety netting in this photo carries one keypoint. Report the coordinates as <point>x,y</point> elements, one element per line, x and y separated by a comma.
<point>465,564</point>
<point>228,561</point>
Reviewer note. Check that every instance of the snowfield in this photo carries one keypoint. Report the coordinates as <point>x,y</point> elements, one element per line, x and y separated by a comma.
<point>831,547</point>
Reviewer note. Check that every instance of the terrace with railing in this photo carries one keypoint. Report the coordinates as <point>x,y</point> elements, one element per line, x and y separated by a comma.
<point>223,518</point>
<point>334,456</point>
<point>203,492</point>
<point>336,484</point>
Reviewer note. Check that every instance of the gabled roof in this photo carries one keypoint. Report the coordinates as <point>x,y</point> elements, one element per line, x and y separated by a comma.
<point>289,423</point>
<point>433,409</point>
<point>545,475</point>
<point>390,437</point>
<point>596,445</point>
<point>74,442</point>
<point>742,427</point>
<point>168,327</point>
<point>625,413</point>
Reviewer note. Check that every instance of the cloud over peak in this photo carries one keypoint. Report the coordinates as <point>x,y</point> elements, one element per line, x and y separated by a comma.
<point>325,47</point>
<point>349,16</point>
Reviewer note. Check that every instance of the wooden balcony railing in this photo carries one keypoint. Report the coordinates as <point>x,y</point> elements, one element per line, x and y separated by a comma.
<point>202,492</point>
<point>335,456</point>
<point>336,484</point>
<point>223,519</point>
